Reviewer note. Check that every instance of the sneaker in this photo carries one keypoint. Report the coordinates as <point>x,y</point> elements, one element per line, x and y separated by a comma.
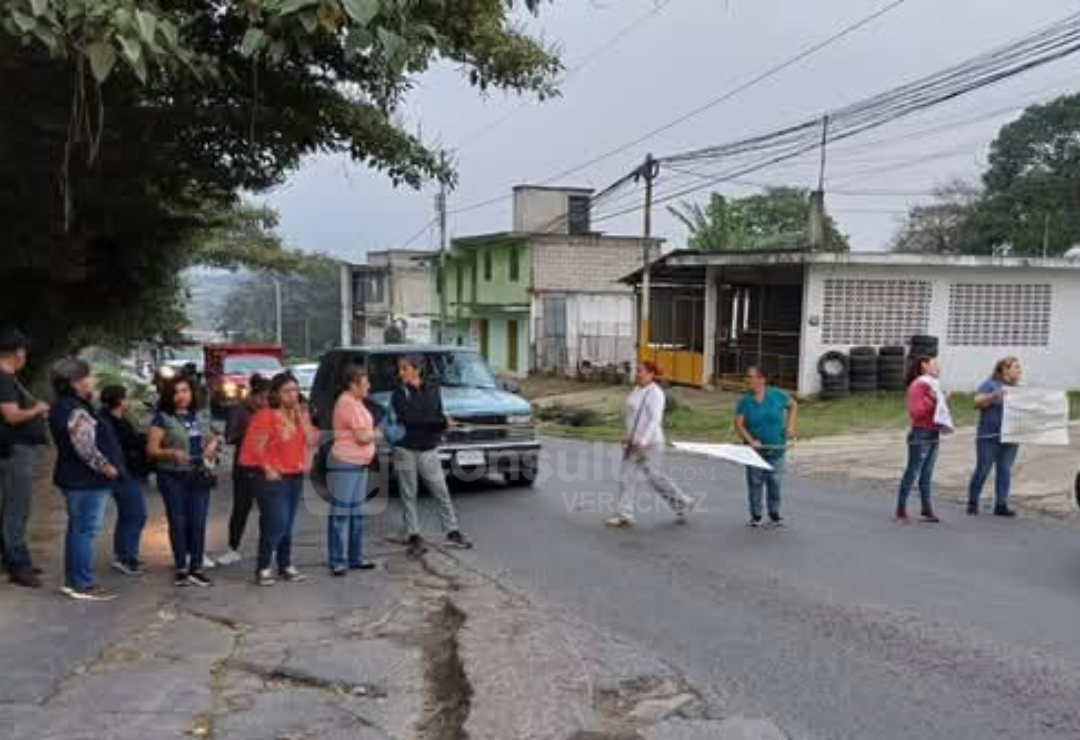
<point>929,517</point>
<point>458,540</point>
<point>754,523</point>
<point>24,578</point>
<point>902,518</point>
<point>198,579</point>
<point>292,575</point>
<point>619,522</point>
<point>972,509</point>
<point>127,568</point>
<point>338,572</point>
<point>366,565</point>
<point>1004,511</point>
<point>776,521</point>
<point>208,563</point>
<point>89,593</point>
<point>181,579</point>
<point>229,557</point>
<point>416,546</point>
<point>265,577</point>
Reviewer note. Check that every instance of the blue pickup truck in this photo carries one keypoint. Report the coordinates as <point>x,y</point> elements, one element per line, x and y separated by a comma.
<point>494,432</point>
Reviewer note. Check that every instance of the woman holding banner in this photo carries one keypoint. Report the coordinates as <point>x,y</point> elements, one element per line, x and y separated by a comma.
<point>991,452</point>
<point>765,420</point>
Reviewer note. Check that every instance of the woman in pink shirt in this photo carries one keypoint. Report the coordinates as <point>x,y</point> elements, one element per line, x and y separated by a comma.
<point>355,438</point>
<point>923,439</point>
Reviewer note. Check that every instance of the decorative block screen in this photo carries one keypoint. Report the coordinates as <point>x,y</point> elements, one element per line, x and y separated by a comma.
<point>875,312</point>
<point>999,315</point>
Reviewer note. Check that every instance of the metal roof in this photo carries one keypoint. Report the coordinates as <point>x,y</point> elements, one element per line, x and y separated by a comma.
<point>685,260</point>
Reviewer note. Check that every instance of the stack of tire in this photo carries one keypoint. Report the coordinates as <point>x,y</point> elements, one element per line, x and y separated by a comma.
<point>923,345</point>
<point>864,370</point>
<point>892,368</point>
<point>834,368</point>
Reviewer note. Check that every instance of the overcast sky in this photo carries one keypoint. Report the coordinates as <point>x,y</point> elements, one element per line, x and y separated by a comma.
<point>674,61</point>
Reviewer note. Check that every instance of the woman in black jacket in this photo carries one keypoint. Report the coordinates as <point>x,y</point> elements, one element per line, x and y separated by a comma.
<point>89,465</point>
<point>127,493</point>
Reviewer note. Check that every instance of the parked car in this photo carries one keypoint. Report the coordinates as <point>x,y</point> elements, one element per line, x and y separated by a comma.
<point>495,432</point>
<point>305,376</point>
<point>229,367</point>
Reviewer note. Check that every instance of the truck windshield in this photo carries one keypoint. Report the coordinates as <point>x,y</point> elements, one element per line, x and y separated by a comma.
<point>251,364</point>
<point>447,369</point>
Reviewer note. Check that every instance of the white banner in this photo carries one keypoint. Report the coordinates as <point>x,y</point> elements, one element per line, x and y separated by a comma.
<point>1033,416</point>
<point>739,454</point>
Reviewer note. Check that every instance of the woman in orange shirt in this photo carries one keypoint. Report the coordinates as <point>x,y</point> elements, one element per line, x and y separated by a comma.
<point>276,447</point>
<point>355,438</point>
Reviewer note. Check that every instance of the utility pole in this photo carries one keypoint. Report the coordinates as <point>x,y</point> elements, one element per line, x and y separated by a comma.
<point>277,308</point>
<point>1046,235</point>
<point>817,237</point>
<point>440,209</point>
<point>649,171</point>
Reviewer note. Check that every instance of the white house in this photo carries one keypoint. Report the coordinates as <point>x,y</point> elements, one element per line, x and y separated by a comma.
<point>713,313</point>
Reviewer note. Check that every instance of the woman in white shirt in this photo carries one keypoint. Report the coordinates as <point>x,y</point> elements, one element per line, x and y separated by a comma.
<point>643,455</point>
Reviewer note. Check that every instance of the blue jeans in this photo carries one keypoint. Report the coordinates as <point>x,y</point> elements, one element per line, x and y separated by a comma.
<point>348,490</point>
<point>86,516</point>
<point>992,454</point>
<point>130,520</point>
<point>278,502</point>
<point>187,505</point>
<point>923,447</point>
<point>767,481</point>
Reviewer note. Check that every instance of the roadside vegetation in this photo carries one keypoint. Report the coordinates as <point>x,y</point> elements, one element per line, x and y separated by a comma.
<point>692,422</point>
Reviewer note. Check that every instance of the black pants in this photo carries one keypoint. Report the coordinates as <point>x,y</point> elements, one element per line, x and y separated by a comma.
<point>244,482</point>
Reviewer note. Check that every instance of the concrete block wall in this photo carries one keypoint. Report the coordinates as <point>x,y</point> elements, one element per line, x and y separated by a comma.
<point>585,263</point>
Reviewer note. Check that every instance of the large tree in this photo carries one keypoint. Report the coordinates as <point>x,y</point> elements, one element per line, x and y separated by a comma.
<point>944,226</point>
<point>130,127</point>
<point>777,218</point>
<point>1031,201</point>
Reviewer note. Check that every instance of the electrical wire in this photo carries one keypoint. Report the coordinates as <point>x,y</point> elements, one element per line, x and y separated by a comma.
<point>573,72</point>
<point>723,97</point>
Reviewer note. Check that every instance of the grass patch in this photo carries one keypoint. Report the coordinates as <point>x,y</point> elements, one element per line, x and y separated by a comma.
<point>870,412</point>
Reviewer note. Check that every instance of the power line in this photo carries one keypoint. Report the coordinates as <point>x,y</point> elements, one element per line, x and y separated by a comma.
<point>418,235</point>
<point>571,73</point>
<point>722,98</point>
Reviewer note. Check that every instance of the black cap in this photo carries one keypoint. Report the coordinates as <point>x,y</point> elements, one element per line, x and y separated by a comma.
<point>12,339</point>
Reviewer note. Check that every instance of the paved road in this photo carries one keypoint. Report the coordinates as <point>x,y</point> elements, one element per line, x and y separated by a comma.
<point>841,626</point>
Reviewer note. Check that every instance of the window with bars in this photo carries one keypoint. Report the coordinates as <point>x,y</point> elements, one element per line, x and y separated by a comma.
<point>875,312</point>
<point>999,315</point>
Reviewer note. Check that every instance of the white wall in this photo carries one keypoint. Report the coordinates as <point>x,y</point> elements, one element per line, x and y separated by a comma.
<point>608,315</point>
<point>1056,365</point>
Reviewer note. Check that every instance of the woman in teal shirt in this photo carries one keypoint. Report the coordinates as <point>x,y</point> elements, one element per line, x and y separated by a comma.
<point>765,419</point>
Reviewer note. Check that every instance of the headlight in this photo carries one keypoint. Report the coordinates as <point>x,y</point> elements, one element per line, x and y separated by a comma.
<point>229,389</point>
<point>519,419</point>
<point>166,372</point>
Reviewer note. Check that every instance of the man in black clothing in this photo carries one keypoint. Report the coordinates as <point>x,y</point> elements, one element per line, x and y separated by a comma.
<point>418,408</point>
<point>22,433</point>
<point>243,479</point>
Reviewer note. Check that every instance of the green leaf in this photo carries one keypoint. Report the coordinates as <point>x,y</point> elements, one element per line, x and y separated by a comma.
<point>102,58</point>
<point>25,23</point>
<point>254,40</point>
<point>358,39</point>
<point>39,7</point>
<point>362,11</point>
<point>309,20</point>
<point>291,6</point>
<point>131,48</point>
<point>169,32</point>
<point>147,24</point>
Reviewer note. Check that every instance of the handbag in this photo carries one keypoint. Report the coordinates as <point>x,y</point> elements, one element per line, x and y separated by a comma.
<point>203,475</point>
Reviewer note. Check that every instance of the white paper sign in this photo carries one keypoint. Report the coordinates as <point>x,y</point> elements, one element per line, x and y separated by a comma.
<point>1033,416</point>
<point>739,454</point>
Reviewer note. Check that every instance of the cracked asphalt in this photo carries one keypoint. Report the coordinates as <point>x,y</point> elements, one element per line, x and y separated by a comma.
<point>841,626</point>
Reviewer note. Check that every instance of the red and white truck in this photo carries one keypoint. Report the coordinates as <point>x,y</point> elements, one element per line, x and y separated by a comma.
<point>228,369</point>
